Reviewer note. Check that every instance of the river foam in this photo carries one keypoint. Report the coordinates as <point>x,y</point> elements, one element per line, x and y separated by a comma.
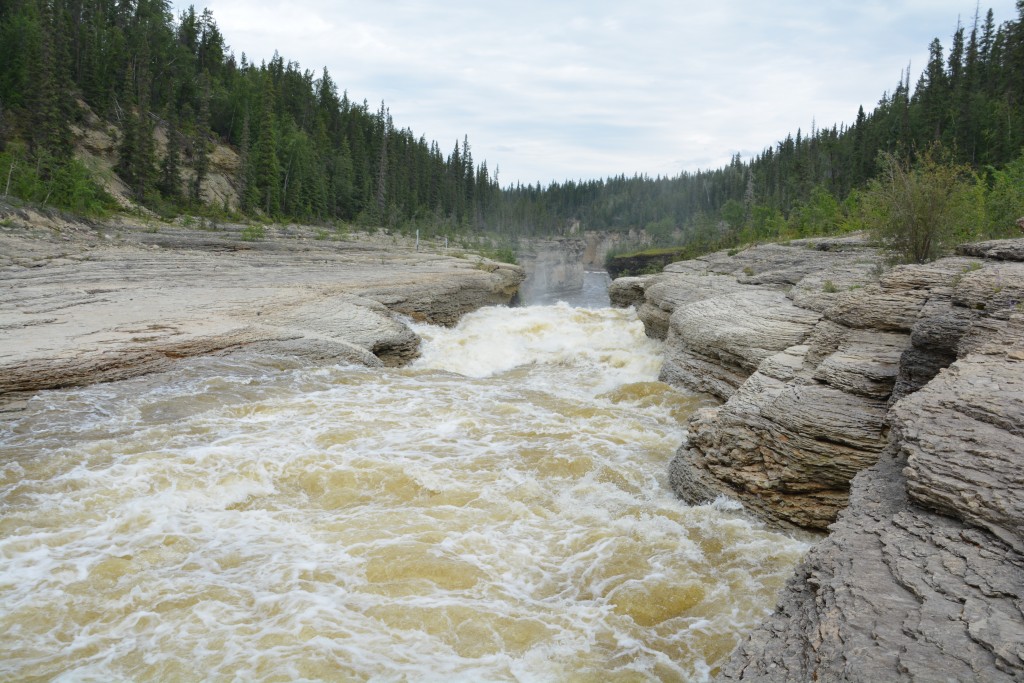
<point>497,511</point>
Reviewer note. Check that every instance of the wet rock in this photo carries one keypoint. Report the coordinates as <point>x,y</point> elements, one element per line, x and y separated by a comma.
<point>627,291</point>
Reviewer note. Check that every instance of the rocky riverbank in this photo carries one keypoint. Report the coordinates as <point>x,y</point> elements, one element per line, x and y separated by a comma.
<point>887,403</point>
<point>88,302</point>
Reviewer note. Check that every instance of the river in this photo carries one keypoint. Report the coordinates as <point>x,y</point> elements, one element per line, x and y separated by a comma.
<point>498,511</point>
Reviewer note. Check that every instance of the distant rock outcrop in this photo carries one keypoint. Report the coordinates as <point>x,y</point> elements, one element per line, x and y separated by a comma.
<point>552,266</point>
<point>892,399</point>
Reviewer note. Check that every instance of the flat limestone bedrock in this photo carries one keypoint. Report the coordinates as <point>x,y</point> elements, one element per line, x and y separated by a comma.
<point>77,307</point>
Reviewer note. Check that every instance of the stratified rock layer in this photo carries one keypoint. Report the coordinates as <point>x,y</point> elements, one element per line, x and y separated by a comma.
<point>922,577</point>
<point>778,333</point>
<point>82,303</point>
<point>909,384</point>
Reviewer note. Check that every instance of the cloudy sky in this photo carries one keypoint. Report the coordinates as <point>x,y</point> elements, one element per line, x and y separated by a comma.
<point>569,89</point>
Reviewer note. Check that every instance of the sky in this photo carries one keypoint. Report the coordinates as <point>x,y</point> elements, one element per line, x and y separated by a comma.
<point>581,89</point>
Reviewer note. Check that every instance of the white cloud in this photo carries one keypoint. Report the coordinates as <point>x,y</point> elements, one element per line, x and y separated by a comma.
<point>574,89</point>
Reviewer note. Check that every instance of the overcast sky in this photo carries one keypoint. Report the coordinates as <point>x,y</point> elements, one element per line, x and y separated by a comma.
<point>578,89</point>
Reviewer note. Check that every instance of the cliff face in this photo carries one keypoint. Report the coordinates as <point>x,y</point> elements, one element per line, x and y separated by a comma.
<point>896,397</point>
<point>551,266</point>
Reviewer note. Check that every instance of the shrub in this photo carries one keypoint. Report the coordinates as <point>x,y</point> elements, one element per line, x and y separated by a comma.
<point>252,233</point>
<point>918,213</point>
<point>1005,201</point>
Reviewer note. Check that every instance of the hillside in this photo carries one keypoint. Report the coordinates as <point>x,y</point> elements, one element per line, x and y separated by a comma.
<point>162,98</point>
<point>157,110</point>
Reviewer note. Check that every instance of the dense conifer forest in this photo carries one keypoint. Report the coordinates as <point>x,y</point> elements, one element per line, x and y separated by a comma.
<point>308,152</point>
<point>965,110</point>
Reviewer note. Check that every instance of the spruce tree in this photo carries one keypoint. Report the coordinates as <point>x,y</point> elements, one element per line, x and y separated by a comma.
<point>170,167</point>
<point>264,190</point>
<point>201,163</point>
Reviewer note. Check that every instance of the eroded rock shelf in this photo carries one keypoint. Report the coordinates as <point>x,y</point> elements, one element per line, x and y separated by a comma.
<point>883,405</point>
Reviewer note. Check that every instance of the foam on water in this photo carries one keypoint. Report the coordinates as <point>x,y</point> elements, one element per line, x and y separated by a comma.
<point>497,511</point>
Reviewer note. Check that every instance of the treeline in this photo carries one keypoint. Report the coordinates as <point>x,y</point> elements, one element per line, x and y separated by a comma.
<point>967,107</point>
<point>307,152</point>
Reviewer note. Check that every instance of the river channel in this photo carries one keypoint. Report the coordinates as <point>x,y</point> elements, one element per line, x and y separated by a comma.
<point>497,511</point>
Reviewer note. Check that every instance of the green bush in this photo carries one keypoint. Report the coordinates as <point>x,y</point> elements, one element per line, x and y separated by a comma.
<point>504,254</point>
<point>252,233</point>
<point>919,212</point>
<point>62,184</point>
<point>1004,204</point>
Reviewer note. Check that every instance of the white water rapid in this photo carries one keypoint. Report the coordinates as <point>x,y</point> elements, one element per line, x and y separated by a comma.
<point>498,511</point>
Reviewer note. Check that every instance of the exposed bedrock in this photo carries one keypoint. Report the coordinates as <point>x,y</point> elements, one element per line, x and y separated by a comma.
<point>82,303</point>
<point>807,345</point>
<point>887,401</point>
<point>922,577</point>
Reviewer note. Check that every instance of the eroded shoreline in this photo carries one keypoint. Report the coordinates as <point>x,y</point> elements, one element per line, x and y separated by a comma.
<point>93,302</point>
<point>884,405</point>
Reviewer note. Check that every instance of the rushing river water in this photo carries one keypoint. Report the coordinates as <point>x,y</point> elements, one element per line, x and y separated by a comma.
<point>497,511</point>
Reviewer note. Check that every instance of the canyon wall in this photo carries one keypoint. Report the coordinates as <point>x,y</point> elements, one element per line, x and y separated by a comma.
<point>887,403</point>
<point>552,266</point>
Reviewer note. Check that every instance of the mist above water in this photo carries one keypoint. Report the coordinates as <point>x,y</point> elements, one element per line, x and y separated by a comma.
<point>593,293</point>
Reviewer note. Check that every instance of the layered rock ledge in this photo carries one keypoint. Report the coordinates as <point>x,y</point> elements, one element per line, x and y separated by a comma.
<point>887,403</point>
<point>83,303</point>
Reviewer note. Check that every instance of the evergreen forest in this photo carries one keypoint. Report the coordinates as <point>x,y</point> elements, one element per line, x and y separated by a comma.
<point>310,153</point>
